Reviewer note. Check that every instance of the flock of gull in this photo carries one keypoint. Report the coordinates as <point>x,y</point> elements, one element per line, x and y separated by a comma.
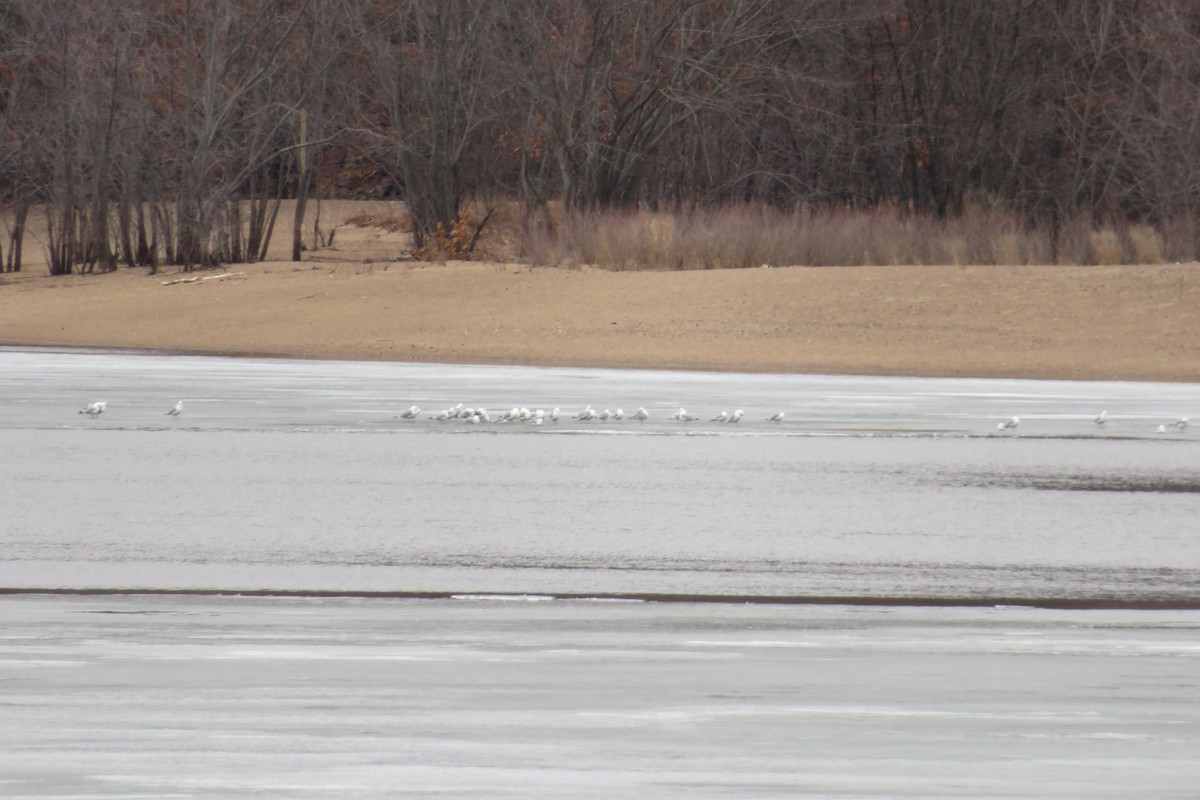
<point>475,416</point>
<point>97,408</point>
<point>541,416</point>
<point>1101,419</point>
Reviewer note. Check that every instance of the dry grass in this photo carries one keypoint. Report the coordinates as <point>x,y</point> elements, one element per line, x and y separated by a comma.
<point>392,223</point>
<point>1147,244</point>
<point>745,236</point>
<point>1180,238</point>
<point>730,237</point>
<point>1106,247</point>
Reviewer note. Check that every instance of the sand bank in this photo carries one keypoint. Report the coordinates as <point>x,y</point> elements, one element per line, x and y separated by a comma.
<point>1133,323</point>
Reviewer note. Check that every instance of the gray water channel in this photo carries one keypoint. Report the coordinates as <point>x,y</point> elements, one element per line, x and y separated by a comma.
<point>291,591</point>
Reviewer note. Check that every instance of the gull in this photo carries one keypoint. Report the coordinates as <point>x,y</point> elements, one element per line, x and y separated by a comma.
<point>1161,429</point>
<point>736,416</point>
<point>537,417</point>
<point>176,410</point>
<point>510,415</point>
<point>442,416</point>
<point>466,413</point>
<point>722,417</point>
<point>604,415</point>
<point>679,414</point>
<point>555,414</point>
<point>483,415</point>
<point>1009,424</point>
<point>410,413</point>
<point>641,415</point>
<point>684,417</point>
<point>618,414</point>
<point>587,413</point>
<point>94,409</point>
<point>1181,423</point>
<point>776,417</point>
<point>1103,418</point>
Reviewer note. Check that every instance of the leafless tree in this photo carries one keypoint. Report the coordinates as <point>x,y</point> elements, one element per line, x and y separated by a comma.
<point>427,99</point>
<point>151,133</point>
<point>228,128</point>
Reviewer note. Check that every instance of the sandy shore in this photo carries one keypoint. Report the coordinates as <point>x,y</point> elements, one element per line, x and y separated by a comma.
<point>1131,323</point>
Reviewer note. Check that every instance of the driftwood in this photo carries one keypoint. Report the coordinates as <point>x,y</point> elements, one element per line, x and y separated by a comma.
<point>198,279</point>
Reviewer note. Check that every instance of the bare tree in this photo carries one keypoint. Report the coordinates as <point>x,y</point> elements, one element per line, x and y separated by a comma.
<point>17,100</point>
<point>228,128</point>
<point>620,77</point>
<point>1159,163</point>
<point>428,100</point>
<point>151,133</point>
<point>82,87</point>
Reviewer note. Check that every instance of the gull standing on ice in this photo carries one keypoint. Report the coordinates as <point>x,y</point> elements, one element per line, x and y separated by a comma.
<point>736,416</point>
<point>1181,423</point>
<point>1009,424</point>
<point>642,414</point>
<point>776,417</point>
<point>176,411</point>
<point>722,417</point>
<point>555,414</point>
<point>618,414</point>
<point>410,413</point>
<point>94,409</point>
<point>684,417</point>
<point>1103,418</point>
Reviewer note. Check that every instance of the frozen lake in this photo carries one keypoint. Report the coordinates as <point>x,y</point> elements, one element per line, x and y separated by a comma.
<point>184,697</point>
<point>881,596</point>
<point>300,476</point>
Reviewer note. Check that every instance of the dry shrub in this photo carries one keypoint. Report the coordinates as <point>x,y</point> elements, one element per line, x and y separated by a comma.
<point>500,237</point>
<point>1147,245</point>
<point>451,243</point>
<point>1105,246</point>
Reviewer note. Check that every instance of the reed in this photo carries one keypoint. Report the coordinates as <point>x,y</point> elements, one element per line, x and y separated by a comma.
<point>738,237</point>
<point>1106,246</point>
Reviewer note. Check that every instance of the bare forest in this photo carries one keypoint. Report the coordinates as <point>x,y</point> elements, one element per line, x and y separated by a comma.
<point>691,133</point>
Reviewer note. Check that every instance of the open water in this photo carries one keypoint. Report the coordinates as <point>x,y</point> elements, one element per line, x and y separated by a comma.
<point>291,591</point>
